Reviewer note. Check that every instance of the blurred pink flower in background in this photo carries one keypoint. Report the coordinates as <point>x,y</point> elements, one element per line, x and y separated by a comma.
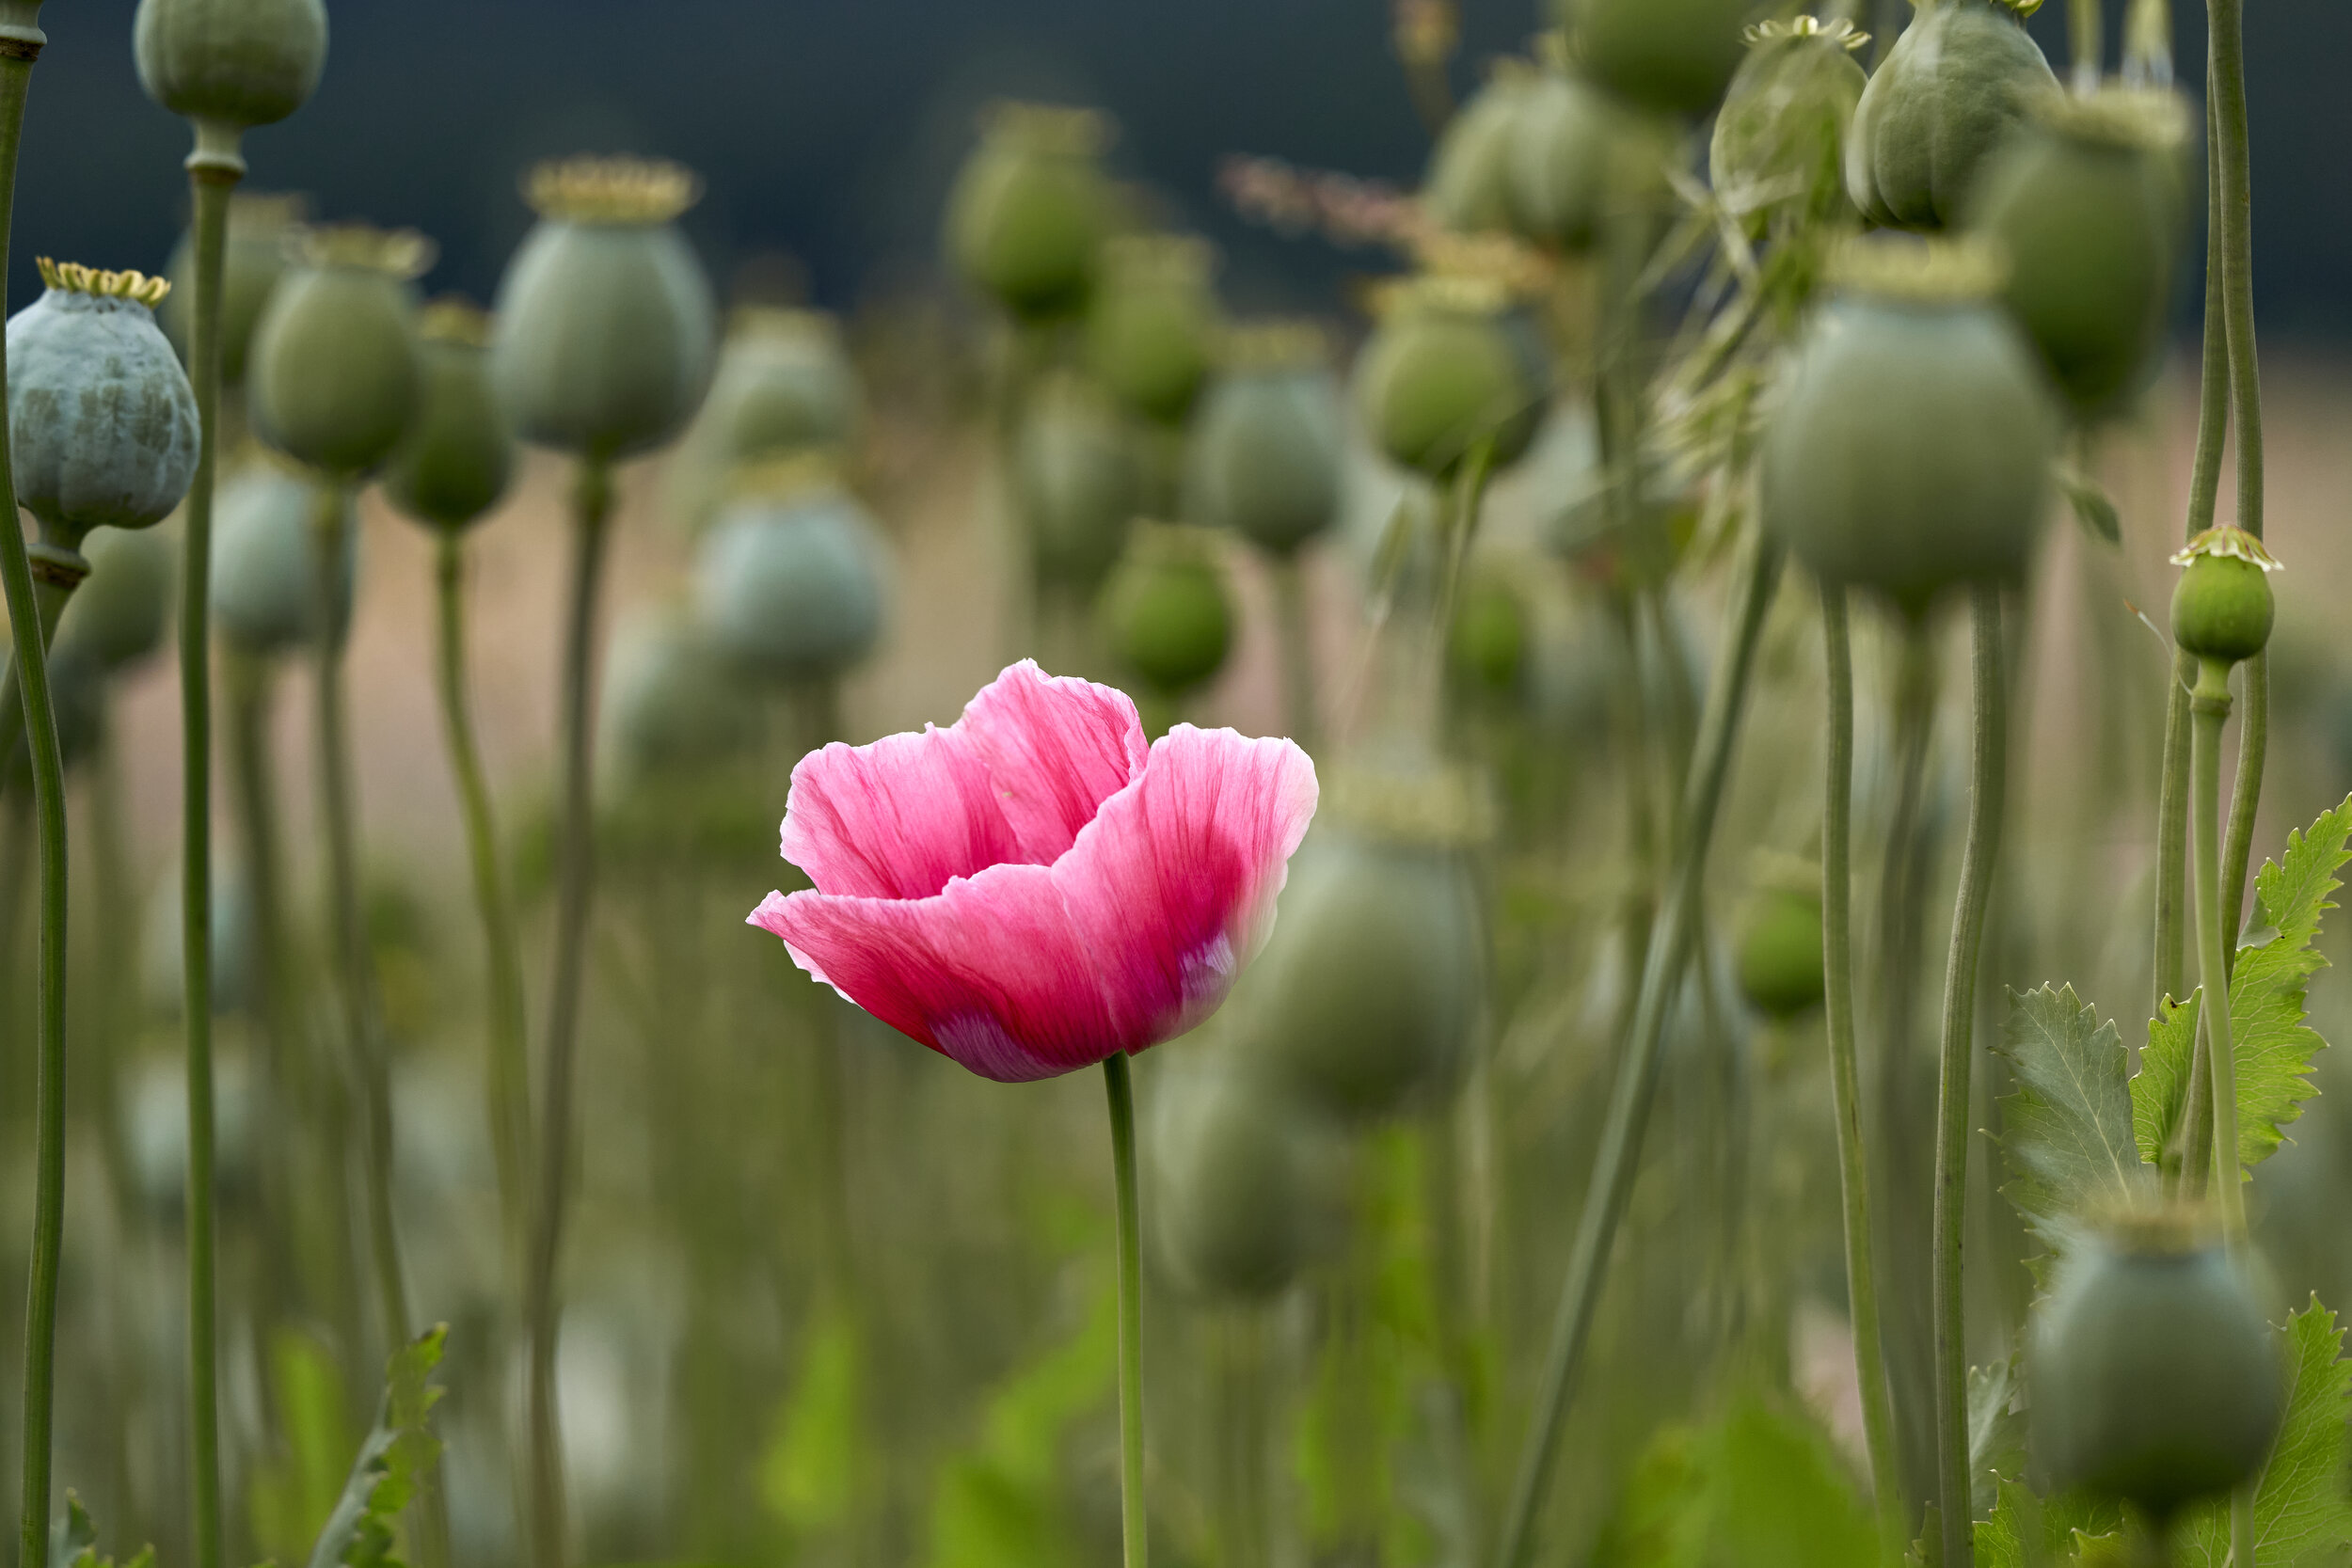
<point>1035,887</point>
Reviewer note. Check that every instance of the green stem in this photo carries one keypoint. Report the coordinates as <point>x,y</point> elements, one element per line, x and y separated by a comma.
<point>1636,1085</point>
<point>2171,967</point>
<point>1878,1410</point>
<point>1987,788</point>
<point>57,568</point>
<point>1119,1083</point>
<point>2245,793</point>
<point>1294,624</point>
<point>509,1085</point>
<point>593,512</point>
<point>2086,43</point>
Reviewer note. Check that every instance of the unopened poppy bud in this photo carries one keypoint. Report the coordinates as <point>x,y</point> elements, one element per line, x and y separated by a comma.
<point>336,378</point>
<point>1958,81</point>
<point>791,584</point>
<point>1669,56</point>
<point>263,548</point>
<point>119,613</point>
<point>1152,327</point>
<point>459,457</point>
<point>229,63</point>
<point>1450,372</point>
<point>1031,208</point>
<point>262,230</point>
<point>1267,446</point>
<point>2223,606</point>
<point>1166,610</point>
<point>1079,474</point>
<point>1781,958</point>
<point>1468,189</point>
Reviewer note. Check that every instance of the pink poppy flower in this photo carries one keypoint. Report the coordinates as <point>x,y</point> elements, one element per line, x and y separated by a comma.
<point>1034,888</point>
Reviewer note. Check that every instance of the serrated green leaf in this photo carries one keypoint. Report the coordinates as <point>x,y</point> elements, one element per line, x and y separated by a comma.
<point>2302,1505</point>
<point>392,1460</point>
<point>2027,1531</point>
<point>1996,1433</point>
<point>2160,1088</point>
<point>1760,1487</point>
<point>73,1540</point>
<point>2068,1130</point>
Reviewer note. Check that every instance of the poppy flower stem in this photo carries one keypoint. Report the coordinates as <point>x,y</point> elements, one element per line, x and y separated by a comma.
<point>1119,1083</point>
<point>1671,939</point>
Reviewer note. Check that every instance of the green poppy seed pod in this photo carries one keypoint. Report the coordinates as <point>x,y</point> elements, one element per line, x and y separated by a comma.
<point>2223,608</point>
<point>337,379</point>
<point>229,63</point>
<point>1571,147</point>
<point>784,386</point>
<point>1245,1193</point>
<point>1269,442</point>
<point>1781,960</point>
<point>675,705</point>
<point>2152,1375</point>
<point>1079,474</point>
<point>1962,77</point>
<point>1031,208</point>
<point>1910,447</point>
<point>606,330</point>
<point>117,616</point>
<point>263,546</point>
<point>261,228</point>
<point>1669,56</point>
<point>1166,608</point>
<point>2088,202</point>
<point>1152,324</point>
<point>790,587</point>
<point>1468,188</point>
<point>1780,140</point>
<point>459,457</point>
<point>1367,993</point>
<point>1487,646</point>
<point>101,420</point>
<point>1449,371</point>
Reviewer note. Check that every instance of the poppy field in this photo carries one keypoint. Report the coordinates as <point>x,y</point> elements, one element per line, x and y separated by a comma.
<point>1652,890</point>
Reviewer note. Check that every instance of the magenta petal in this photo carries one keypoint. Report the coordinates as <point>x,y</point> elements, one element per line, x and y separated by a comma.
<point>1058,748</point>
<point>1171,888</point>
<point>897,819</point>
<point>991,972</point>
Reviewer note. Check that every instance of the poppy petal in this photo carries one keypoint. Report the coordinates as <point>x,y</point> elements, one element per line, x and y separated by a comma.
<point>899,819</point>
<point>1057,747</point>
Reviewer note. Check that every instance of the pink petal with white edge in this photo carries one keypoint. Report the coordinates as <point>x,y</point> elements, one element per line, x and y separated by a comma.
<point>899,819</point>
<point>1057,747</point>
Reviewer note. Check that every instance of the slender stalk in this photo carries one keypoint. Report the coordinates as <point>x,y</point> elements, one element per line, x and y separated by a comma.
<point>1987,788</point>
<point>1294,624</point>
<point>509,1085</point>
<point>1853,1171</point>
<point>1636,1087</point>
<point>2086,43</point>
<point>592,511</point>
<point>1119,1083</point>
<point>57,568</point>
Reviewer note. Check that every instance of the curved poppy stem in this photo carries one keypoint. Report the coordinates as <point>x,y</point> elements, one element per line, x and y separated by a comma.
<point>1671,938</point>
<point>1119,1083</point>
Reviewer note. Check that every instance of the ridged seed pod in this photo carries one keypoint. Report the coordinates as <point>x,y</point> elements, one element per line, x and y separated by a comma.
<point>791,584</point>
<point>674,704</point>
<point>1031,208</point>
<point>1167,612</point>
<point>1152,323</point>
<point>2089,202</point>
<point>606,330</point>
<point>119,614</point>
<point>784,386</point>
<point>2223,608</point>
<point>1247,1192</point>
<point>1449,370</point>
<point>1079,474</point>
<point>261,229</point>
<point>458,458</point>
<point>1668,56</point>
<point>1960,78</point>
<point>101,420</point>
<point>229,63</point>
<point>1910,449</point>
<point>263,546</point>
<point>1270,439</point>
<point>1780,140</point>
<point>1468,188</point>
<point>336,376</point>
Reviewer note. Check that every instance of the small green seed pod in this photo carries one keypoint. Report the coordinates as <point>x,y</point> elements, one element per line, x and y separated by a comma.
<point>263,546</point>
<point>606,330</point>
<point>336,380</point>
<point>1166,610</point>
<point>1911,447</point>
<point>1267,447</point>
<point>1781,959</point>
<point>1468,188</point>
<point>1031,208</point>
<point>1449,370</point>
<point>2223,608</point>
<point>2154,1377</point>
<point>261,227</point>
<point>1669,56</point>
<point>1780,141</point>
<point>231,63</point>
<point>459,457</point>
<point>118,616</point>
<point>1152,327</point>
<point>101,420</point>
<point>784,386</point>
<point>1245,1193</point>
<point>2087,202</point>
<point>675,705</point>
<point>1576,156</point>
<point>791,584</point>
<point>1080,475</point>
<point>1960,79</point>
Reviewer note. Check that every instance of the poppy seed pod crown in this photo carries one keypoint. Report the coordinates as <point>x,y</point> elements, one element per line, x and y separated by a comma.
<point>606,327</point>
<point>459,457</point>
<point>101,417</point>
<point>335,373</point>
<point>231,63</point>
<point>2223,608</point>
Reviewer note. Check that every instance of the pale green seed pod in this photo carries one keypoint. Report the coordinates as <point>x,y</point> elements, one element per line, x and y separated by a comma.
<point>1780,140</point>
<point>1668,56</point>
<point>1449,371</point>
<point>336,376</point>
<point>2223,608</point>
<point>231,63</point>
<point>674,704</point>
<point>1167,612</point>
<point>790,586</point>
<point>1268,444</point>
<point>116,618</point>
<point>784,386</point>
<point>458,458</point>
<point>606,329</point>
<point>101,420</point>
<point>1960,78</point>
<point>1563,151</point>
<point>1152,325</point>
<point>263,548</point>
<point>1468,188</point>
<point>1031,208</point>
<point>1248,1190</point>
<point>1079,474</point>
<point>261,228</point>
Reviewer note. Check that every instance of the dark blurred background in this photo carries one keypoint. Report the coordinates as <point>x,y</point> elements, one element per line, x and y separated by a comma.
<point>829,130</point>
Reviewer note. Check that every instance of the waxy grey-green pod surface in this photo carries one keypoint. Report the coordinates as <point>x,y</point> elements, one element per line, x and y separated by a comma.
<point>1562,154</point>
<point>101,420</point>
<point>234,63</point>
<point>459,457</point>
<point>606,337</point>
<point>1030,209</point>
<point>1670,56</point>
<point>1468,188</point>
<point>1960,78</point>
<point>336,378</point>
<point>674,703</point>
<point>1150,331</point>
<point>1266,453</point>
<point>1169,618</point>
<point>263,546</point>
<point>1079,476</point>
<point>792,589</point>
<point>1780,139</point>
<point>119,614</point>
<point>1439,379</point>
